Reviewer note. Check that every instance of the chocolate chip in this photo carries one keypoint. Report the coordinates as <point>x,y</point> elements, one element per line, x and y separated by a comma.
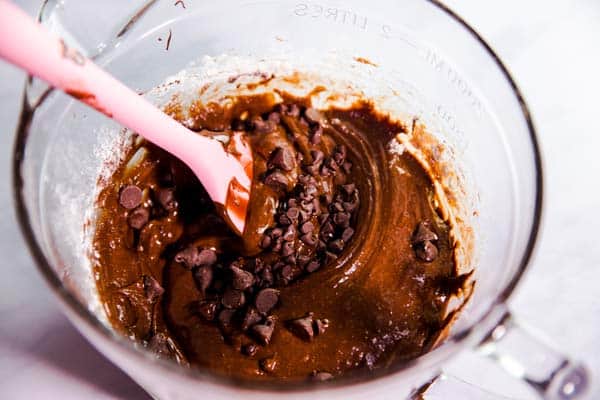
<point>166,198</point>
<point>316,206</point>
<point>306,179</point>
<point>130,197</point>
<point>336,246</point>
<point>290,232</point>
<point>249,349</point>
<point>226,319</point>
<point>207,310</point>
<point>262,126</point>
<point>293,110</point>
<point>307,227</point>
<point>251,318</point>
<point>326,198</point>
<point>287,249</point>
<point>256,265</point>
<point>312,169</point>
<point>281,158</point>
<point>275,232</point>
<point>332,165</point>
<point>266,300</point>
<point>274,117</point>
<point>278,265</point>
<point>317,156</point>
<point>290,259</point>
<point>341,219</point>
<point>308,206</point>
<point>266,277</point>
<point>240,279</point>
<point>203,277</point>
<point>233,298</point>
<point>323,217</point>
<point>152,289</point>
<point>292,214</point>
<point>187,257</point>
<point>313,115</point>
<point>287,273</point>
<point>306,198</point>
<point>347,166</point>
<point>303,260</point>
<point>302,327</point>
<point>327,230</point>
<point>349,188</point>
<point>138,218</point>
<point>304,216</point>
<point>424,233</point>
<point>312,266</point>
<point>276,180</point>
<point>309,239</point>
<point>426,251</point>
<point>320,326</point>
<point>347,234</point>
<point>349,206</point>
<point>284,220</point>
<point>264,332</point>
<point>330,257</point>
<point>317,135</point>
<point>311,190</point>
<point>320,376</point>
<point>268,365</point>
<point>339,153</point>
<point>206,257</point>
<point>265,242</point>
<point>336,207</point>
<point>277,246</point>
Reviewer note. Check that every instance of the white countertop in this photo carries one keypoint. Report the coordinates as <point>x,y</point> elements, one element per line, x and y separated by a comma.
<point>551,47</point>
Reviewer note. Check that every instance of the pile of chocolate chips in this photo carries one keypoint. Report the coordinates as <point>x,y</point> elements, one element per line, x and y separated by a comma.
<point>310,231</point>
<point>313,224</point>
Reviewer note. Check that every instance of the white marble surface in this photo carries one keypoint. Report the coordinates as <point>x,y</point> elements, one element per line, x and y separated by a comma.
<point>551,46</point>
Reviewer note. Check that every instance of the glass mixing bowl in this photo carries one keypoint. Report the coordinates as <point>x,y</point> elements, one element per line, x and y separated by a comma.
<point>452,80</point>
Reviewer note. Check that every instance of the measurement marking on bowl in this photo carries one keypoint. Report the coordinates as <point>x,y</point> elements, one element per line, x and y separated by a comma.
<point>438,112</point>
<point>343,17</point>
<point>452,76</point>
<point>449,119</point>
<point>362,23</point>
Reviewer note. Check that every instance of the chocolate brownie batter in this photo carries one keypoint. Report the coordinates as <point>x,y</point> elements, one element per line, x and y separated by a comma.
<point>344,265</point>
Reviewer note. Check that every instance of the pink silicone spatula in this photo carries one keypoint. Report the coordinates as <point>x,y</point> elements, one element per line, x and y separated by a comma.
<point>226,176</point>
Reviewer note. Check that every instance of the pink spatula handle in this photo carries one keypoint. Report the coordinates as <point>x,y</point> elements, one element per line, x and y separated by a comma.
<point>25,43</point>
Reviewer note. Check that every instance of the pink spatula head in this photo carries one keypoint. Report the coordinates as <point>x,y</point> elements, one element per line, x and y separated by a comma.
<point>226,176</point>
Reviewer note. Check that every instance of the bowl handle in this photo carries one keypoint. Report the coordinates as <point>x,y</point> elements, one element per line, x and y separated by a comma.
<point>553,375</point>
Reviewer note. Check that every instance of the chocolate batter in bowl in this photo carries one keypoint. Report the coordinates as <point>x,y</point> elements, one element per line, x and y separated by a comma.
<point>470,119</point>
<point>345,265</point>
